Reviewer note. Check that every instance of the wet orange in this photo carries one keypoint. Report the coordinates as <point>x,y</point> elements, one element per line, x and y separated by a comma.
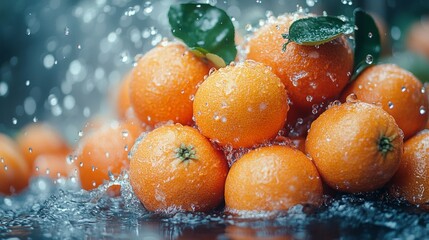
<point>311,74</point>
<point>14,170</point>
<point>123,104</point>
<point>356,146</point>
<point>241,105</point>
<point>272,178</point>
<point>176,168</point>
<point>53,166</point>
<point>104,150</point>
<point>400,94</point>
<point>411,181</point>
<point>40,138</point>
<point>164,83</point>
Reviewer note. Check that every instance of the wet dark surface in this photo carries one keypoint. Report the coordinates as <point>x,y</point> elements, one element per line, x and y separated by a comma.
<point>78,50</point>
<point>62,211</point>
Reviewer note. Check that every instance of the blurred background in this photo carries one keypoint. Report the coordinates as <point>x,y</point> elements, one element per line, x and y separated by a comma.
<point>60,61</point>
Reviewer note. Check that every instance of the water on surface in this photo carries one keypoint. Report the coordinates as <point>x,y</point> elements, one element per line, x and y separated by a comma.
<point>64,211</point>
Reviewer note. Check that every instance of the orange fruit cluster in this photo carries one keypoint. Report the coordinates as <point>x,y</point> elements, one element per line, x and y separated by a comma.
<point>264,134</point>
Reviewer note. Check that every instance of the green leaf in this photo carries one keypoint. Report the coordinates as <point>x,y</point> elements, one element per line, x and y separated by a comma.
<point>205,29</point>
<point>367,42</point>
<point>316,30</point>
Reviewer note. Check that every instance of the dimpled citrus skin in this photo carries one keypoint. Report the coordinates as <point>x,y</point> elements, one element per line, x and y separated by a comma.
<point>311,74</point>
<point>162,181</point>
<point>14,170</point>
<point>164,83</point>
<point>400,94</point>
<point>241,105</point>
<point>344,145</point>
<point>411,181</point>
<point>272,178</point>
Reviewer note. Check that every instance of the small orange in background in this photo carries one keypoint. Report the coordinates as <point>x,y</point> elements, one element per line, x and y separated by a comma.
<point>164,83</point>
<point>175,167</point>
<point>53,166</point>
<point>400,94</point>
<point>356,146</point>
<point>241,105</point>
<point>104,150</point>
<point>311,74</point>
<point>411,181</point>
<point>123,104</point>
<point>40,138</point>
<point>272,178</point>
<point>14,170</point>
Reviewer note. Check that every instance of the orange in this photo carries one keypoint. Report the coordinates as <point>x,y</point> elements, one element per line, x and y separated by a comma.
<point>272,178</point>
<point>176,168</point>
<point>241,105</point>
<point>356,146</point>
<point>164,83</point>
<point>123,104</point>
<point>40,138</point>
<point>417,37</point>
<point>53,166</point>
<point>14,171</point>
<point>104,151</point>
<point>400,94</point>
<point>311,74</point>
<point>411,180</point>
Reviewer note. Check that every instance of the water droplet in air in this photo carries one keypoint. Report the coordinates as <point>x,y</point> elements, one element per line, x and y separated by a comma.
<point>370,34</point>
<point>5,167</point>
<point>66,31</point>
<point>80,133</point>
<point>351,98</point>
<point>148,7</point>
<point>37,169</point>
<point>30,149</point>
<point>35,119</point>
<point>79,46</point>
<point>124,57</point>
<point>311,3</point>
<point>4,88</point>
<point>27,83</point>
<point>423,90</point>
<point>390,105</point>
<point>48,171</point>
<point>28,32</point>
<point>131,11</point>
<point>369,59</point>
<point>309,98</point>
<point>14,121</point>
<point>81,164</point>
<point>403,89</point>
<point>212,70</point>
<point>2,160</point>
<point>93,168</point>
<point>125,134</point>
<point>107,154</point>
<point>94,184</point>
<point>422,110</point>
<point>248,27</point>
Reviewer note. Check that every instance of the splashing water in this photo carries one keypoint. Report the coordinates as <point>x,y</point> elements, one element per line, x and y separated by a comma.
<point>62,210</point>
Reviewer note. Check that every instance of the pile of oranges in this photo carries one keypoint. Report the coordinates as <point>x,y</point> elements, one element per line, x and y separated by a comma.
<point>298,122</point>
